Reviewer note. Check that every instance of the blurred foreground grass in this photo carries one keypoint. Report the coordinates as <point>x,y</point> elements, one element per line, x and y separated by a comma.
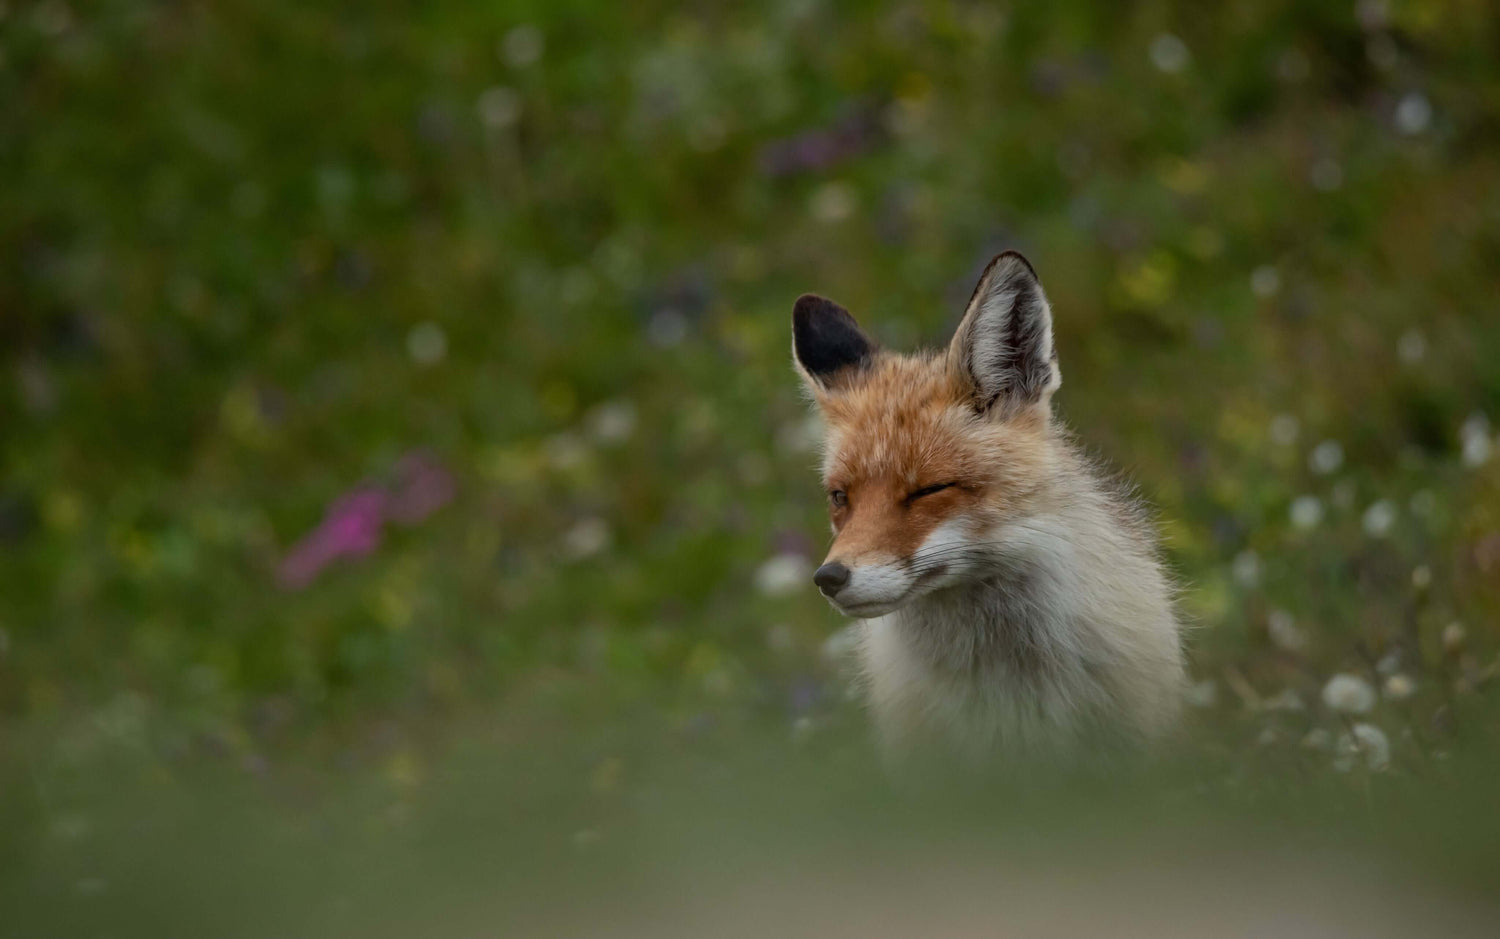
<point>746,838</point>
<point>497,296</point>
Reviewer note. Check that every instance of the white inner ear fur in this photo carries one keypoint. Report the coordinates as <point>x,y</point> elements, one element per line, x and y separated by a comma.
<point>984,336</point>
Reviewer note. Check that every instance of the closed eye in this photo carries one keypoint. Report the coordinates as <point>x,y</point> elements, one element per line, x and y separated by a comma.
<point>927,491</point>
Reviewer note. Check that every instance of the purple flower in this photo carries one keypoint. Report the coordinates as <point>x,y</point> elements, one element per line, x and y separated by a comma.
<point>857,132</point>
<point>804,695</point>
<point>352,526</point>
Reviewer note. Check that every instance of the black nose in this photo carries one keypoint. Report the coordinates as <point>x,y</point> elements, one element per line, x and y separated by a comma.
<point>830,577</point>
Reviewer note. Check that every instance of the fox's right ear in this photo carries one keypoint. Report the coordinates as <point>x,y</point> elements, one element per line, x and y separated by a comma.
<point>826,342</point>
<point>1003,347</point>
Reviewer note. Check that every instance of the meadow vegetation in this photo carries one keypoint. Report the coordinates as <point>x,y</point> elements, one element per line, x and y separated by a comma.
<point>388,380</point>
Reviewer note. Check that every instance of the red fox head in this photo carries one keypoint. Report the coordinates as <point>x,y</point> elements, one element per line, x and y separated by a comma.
<point>929,457</point>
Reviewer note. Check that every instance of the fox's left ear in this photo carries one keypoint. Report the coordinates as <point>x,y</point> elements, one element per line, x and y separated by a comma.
<point>827,343</point>
<point>1003,347</point>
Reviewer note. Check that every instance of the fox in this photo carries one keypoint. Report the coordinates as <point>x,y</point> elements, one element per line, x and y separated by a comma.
<point>1012,596</point>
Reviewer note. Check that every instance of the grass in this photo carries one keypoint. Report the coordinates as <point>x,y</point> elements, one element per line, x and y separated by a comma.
<point>256,256</point>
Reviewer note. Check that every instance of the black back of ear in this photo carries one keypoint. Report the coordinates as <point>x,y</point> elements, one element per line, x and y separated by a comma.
<point>826,339</point>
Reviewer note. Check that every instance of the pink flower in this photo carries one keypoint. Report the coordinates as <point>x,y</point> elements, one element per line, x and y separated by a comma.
<point>353,525</point>
<point>350,528</point>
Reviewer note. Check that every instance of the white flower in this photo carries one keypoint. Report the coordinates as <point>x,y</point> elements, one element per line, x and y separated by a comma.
<point>427,344</point>
<point>782,575</point>
<point>612,421</point>
<point>587,537</point>
<point>1413,114</point>
<point>1476,451</point>
<point>1169,54</point>
<point>1411,347</point>
<point>1265,281</point>
<point>499,107</point>
<point>1379,518</point>
<point>1454,636</point>
<point>1349,694</point>
<point>1246,568</point>
<point>1474,436</point>
<point>1284,632</point>
<point>1326,457</point>
<point>1399,687</point>
<point>834,202</point>
<point>1363,740</point>
<point>1202,694</point>
<point>522,46</point>
<point>1306,512</point>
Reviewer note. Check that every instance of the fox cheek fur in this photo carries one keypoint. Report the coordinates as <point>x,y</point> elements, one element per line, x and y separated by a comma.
<point>1012,595</point>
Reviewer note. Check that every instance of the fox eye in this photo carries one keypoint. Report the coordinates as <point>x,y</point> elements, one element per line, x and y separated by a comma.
<point>928,490</point>
<point>838,498</point>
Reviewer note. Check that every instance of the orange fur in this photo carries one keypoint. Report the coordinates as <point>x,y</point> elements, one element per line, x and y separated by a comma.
<point>904,426</point>
<point>1022,603</point>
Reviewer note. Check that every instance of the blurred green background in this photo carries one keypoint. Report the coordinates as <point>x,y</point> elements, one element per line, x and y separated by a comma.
<point>384,378</point>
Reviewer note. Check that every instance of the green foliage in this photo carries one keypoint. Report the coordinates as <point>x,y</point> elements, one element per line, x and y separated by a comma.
<point>253,253</point>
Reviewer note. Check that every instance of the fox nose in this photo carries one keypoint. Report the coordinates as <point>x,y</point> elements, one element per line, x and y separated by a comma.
<point>831,577</point>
